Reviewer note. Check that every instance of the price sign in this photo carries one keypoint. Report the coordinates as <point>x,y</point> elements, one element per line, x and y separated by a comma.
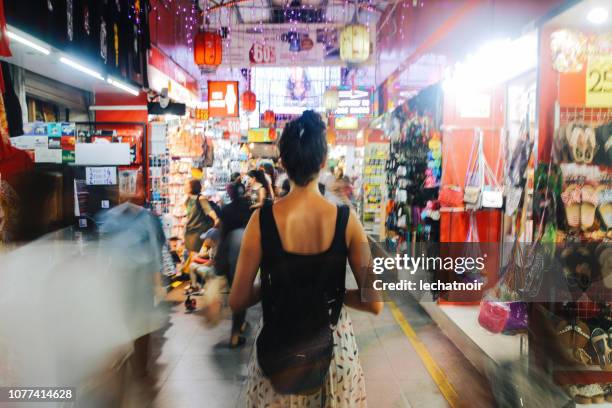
<point>599,81</point>
<point>262,54</point>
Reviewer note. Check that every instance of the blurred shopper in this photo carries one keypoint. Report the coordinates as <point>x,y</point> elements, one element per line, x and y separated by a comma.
<point>202,267</point>
<point>306,354</point>
<point>200,216</point>
<point>270,172</point>
<point>260,190</point>
<point>340,189</point>
<point>234,219</point>
<point>78,311</point>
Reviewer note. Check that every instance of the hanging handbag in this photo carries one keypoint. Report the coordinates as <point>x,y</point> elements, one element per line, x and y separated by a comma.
<point>492,193</point>
<point>451,195</point>
<point>474,178</point>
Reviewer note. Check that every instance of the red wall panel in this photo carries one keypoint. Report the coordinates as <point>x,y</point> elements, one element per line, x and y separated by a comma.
<point>172,30</point>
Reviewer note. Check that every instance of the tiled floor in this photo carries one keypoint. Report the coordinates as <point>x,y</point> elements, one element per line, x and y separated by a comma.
<point>193,367</point>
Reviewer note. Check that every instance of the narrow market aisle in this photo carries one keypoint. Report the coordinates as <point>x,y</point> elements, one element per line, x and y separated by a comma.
<point>193,367</point>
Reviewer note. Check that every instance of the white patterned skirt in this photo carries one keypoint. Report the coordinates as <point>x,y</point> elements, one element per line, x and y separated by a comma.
<point>344,387</point>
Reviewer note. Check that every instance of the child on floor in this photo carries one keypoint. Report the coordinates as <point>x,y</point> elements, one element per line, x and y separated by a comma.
<point>202,267</point>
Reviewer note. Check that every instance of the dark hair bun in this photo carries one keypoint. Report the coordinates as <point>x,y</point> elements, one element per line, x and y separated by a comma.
<point>303,147</point>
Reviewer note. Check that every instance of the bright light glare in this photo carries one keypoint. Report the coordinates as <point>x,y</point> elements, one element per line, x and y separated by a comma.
<point>494,63</point>
<point>122,86</point>
<point>598,15</point>
<point>25,41</point>
<point>81,68</point>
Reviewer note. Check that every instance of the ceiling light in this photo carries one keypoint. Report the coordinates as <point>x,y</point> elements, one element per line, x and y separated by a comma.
<point>122,86</point>
<point>598,15</point>
<point>81,68</point>
<point>25,41</point>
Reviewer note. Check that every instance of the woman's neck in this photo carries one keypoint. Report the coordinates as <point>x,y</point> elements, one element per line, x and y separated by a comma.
<point>312,187</point>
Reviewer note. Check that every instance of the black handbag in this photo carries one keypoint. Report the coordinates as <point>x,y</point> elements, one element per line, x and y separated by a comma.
<point>297,366</point>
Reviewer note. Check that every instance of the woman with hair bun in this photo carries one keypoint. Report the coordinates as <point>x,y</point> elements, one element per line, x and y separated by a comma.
<point>306,354</point>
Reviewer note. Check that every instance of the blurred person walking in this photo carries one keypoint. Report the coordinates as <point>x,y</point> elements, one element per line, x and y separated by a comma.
<point>260,190</point>
<point>234,219</point>
<point>306,353</point>
<point>200,216</point>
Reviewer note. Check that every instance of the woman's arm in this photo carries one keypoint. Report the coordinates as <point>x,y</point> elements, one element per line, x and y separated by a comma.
<point>360,258</point>
<point>243,292</point>
<point>209,211</point>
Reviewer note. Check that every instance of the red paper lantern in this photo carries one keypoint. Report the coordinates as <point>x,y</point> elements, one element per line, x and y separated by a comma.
<point>249,101</point>
<point>269,118</point>
<point>207,49</point>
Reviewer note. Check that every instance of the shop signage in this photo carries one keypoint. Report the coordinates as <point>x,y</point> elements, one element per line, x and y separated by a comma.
<point>262,54</point>
<point>599,81</point>
<point>231,126</point>
<point>346,123</point>
<point>201,114</point>
<point>249,120</point>
<point>356,102</point>
<point>346,138</point>
<point>307,45</point>
<point>261,135</point>
<point>222,99</point>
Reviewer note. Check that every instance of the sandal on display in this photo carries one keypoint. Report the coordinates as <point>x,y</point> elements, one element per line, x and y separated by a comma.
<point>572,199</point>
<point>599,340</point>
<point>588,207</point>
<point>590,145</point>
<point>587,394</point>
<point>605,264</point>
<point>608,392</point>
<point>574,338</point>
<point>578,144</point>
<point>605,205</point>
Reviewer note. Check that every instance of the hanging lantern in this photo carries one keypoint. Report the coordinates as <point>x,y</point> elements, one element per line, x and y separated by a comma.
<point>331,99</point>
<point>249,101</point>
<point>207,50</point>
<point>354,43</point>
<point>269,118</point>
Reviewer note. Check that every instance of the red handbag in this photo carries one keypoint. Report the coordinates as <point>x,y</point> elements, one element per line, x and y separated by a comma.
<point>493,316</point>
<point>451,196</point>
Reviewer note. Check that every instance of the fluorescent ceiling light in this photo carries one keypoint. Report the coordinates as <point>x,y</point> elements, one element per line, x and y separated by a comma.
<point>31,44</point>
<point>122,86</point>
<point>81,68</point>
<point>598,15</point>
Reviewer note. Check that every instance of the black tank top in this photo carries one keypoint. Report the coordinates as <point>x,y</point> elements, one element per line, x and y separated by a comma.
<point>301,293</point>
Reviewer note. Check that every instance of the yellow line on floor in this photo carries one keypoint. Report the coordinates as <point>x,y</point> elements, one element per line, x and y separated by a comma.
<point>434,370</point>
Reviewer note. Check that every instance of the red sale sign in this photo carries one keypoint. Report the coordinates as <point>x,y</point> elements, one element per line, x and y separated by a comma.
<point>262,54</point>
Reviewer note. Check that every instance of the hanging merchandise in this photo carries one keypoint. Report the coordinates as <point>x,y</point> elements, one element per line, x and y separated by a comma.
<point>355,42</point>
<point>492,193</point>
<point>474,179</point>
<point>451,195</point>
<point>413,176</point>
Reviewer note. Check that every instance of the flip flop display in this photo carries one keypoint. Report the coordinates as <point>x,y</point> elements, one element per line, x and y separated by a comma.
<point>587,208</point>
<point>572,198</point>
